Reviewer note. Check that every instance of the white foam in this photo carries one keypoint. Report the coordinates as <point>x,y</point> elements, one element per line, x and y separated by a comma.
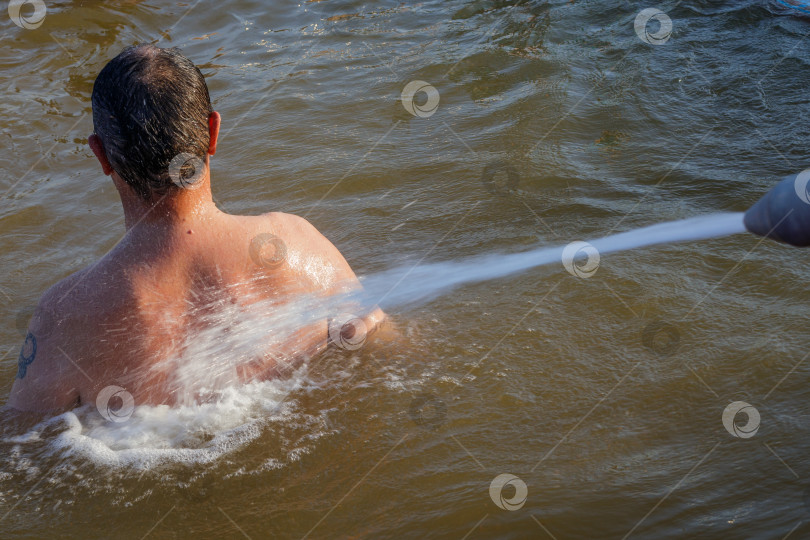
<point>156,435</point>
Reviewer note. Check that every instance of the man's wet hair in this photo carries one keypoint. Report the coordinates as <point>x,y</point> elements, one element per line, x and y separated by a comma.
<point>149,106</point>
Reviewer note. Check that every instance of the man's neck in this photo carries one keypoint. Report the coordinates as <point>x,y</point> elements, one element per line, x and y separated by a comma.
<point>174,210</point>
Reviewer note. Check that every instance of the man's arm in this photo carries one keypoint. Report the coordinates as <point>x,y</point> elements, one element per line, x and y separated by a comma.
<point>42,380</point>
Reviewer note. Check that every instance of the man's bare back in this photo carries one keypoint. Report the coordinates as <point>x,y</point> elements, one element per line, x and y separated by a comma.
<point>181,261</point>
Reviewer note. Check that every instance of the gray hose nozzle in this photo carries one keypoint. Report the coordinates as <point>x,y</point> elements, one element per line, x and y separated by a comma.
<point>783,214</point>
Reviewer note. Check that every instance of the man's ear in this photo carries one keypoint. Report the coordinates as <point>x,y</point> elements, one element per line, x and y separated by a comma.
<point>213,131</point>
<point>98,150</point>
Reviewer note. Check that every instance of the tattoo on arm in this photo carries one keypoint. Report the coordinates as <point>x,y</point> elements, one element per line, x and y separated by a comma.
<point>27,355</point>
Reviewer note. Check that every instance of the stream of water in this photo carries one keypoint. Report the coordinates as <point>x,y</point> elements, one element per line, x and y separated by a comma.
<point>406,285</point>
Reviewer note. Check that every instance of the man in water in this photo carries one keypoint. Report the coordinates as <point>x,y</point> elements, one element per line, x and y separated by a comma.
<point>181,261</point>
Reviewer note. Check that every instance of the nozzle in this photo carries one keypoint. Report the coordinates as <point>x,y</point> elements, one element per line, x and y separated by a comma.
<point>783,214</point>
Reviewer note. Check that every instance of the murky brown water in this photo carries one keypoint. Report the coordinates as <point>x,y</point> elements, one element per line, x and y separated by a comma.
<point>603,396</point>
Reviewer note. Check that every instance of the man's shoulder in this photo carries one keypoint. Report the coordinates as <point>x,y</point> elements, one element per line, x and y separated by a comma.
<point>65,297</point>
<point>302,236</point>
